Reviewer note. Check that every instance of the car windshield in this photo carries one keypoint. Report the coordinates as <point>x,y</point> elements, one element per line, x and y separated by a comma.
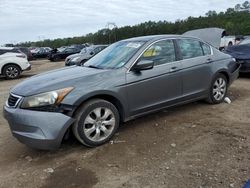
<point>83,51</point>
<point>246,41</point>
<point>114,56</point>
<point>61,49</point>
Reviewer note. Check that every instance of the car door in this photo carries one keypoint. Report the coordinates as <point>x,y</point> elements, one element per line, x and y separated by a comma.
<point>196,66</point>
<point>151,89</point>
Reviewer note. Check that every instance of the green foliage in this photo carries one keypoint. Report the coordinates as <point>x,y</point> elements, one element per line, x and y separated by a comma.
<point>235,22</point>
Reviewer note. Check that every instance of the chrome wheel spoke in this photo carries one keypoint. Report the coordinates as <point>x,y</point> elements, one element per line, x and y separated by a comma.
<point>89,120</point>
<point>109,122</point>
<point>89,131</point>
<point>97,112</point>
<point>216,95</point>
<point>223,84</point>
<point>107,113</point>
<point>105,130</point>
<point>97,135</point>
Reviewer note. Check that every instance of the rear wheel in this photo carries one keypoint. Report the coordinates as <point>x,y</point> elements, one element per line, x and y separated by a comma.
<point>96,122</point>
<point>11,71</point>
<point>230,44</point>
<point>218,89</point>
<point>55,58</point>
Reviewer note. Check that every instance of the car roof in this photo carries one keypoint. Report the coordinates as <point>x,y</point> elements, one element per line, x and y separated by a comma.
<point>151,37</point>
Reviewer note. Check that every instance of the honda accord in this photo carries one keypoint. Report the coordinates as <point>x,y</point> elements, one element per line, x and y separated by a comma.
<point>128,79</point>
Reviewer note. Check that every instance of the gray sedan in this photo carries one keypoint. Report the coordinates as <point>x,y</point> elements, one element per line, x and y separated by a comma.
<point>128,79</point>
<point>84,55</point>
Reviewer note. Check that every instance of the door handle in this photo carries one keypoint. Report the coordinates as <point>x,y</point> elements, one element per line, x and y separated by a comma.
<point>174,69</point>
<point>209,60</point>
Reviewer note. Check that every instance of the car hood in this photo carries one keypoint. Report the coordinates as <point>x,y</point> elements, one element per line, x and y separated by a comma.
<point>209,35</point>
<point>240,52</point>
<point>57,79</point>
<point>74,55</point>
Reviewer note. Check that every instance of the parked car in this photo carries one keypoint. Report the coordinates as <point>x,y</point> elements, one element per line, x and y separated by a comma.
<point>42,52</point>
<point>241,53</point>
<point>12,62</point>
<point>27,52</point>
<point>57,55</point>
<point>128,79</point>
<point>84,55</point>
<point>227,41</point>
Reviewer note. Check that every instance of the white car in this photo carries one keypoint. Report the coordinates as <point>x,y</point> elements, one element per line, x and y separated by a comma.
<point>227,41</point>
<point>12,62</point>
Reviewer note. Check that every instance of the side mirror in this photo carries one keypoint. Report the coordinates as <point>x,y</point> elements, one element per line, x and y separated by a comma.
<point>143,65</point>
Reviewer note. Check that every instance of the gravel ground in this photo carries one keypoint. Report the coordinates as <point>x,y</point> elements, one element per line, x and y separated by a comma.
<point>195,145</point>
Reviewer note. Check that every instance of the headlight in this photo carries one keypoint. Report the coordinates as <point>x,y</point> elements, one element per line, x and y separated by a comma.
<point>46,99</point>
<point>75,59</point>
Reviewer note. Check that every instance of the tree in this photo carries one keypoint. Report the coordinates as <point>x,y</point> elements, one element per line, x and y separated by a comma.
<point>211,13</point>
<point>235,22</point>
<point>230,11</point>
<point>237,7</point>
<point>246,5</point>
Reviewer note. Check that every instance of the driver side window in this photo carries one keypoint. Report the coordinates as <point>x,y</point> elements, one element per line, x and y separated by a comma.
<point>160,53</point>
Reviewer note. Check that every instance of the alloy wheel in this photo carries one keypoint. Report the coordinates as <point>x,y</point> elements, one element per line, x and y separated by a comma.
<point>99,124</point>
<point>12,72</point>
<point>219,89</point>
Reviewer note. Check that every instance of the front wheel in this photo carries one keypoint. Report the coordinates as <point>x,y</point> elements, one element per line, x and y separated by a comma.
<point>96,122</point>
<point>218,89</point>
<point>82,62</point>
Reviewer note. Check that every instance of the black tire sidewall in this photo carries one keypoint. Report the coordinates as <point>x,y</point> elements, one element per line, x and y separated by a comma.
<point>211,96</point>
<point>83,114</point>
<point>6,67</point>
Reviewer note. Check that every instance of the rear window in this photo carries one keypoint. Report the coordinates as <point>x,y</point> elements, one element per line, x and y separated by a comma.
<point>190,48</point>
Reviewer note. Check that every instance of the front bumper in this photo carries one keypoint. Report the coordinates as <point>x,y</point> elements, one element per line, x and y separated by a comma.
<point>245,66</point>
<point>40,130</point>
<point>234,75</point>
<point>71,63</point>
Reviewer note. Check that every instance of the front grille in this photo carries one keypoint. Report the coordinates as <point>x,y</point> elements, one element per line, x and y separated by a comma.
<point>13,100</point>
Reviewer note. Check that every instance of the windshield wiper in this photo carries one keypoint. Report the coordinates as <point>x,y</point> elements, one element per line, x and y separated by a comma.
<point>93,66</point>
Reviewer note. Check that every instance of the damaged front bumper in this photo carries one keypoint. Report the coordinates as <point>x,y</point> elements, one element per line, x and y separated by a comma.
<point>40,130</point>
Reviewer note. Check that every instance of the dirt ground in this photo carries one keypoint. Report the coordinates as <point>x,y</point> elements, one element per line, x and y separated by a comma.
<point>195,145</point>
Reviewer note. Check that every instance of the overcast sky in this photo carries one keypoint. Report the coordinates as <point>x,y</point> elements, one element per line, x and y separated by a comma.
<point>31,20</point>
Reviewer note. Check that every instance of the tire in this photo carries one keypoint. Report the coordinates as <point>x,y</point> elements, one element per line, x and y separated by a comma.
<point>218,89</point>
<point>89,127</point>
<point>82,62</point>
<point>55,58</point>
<point>11,71</point>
